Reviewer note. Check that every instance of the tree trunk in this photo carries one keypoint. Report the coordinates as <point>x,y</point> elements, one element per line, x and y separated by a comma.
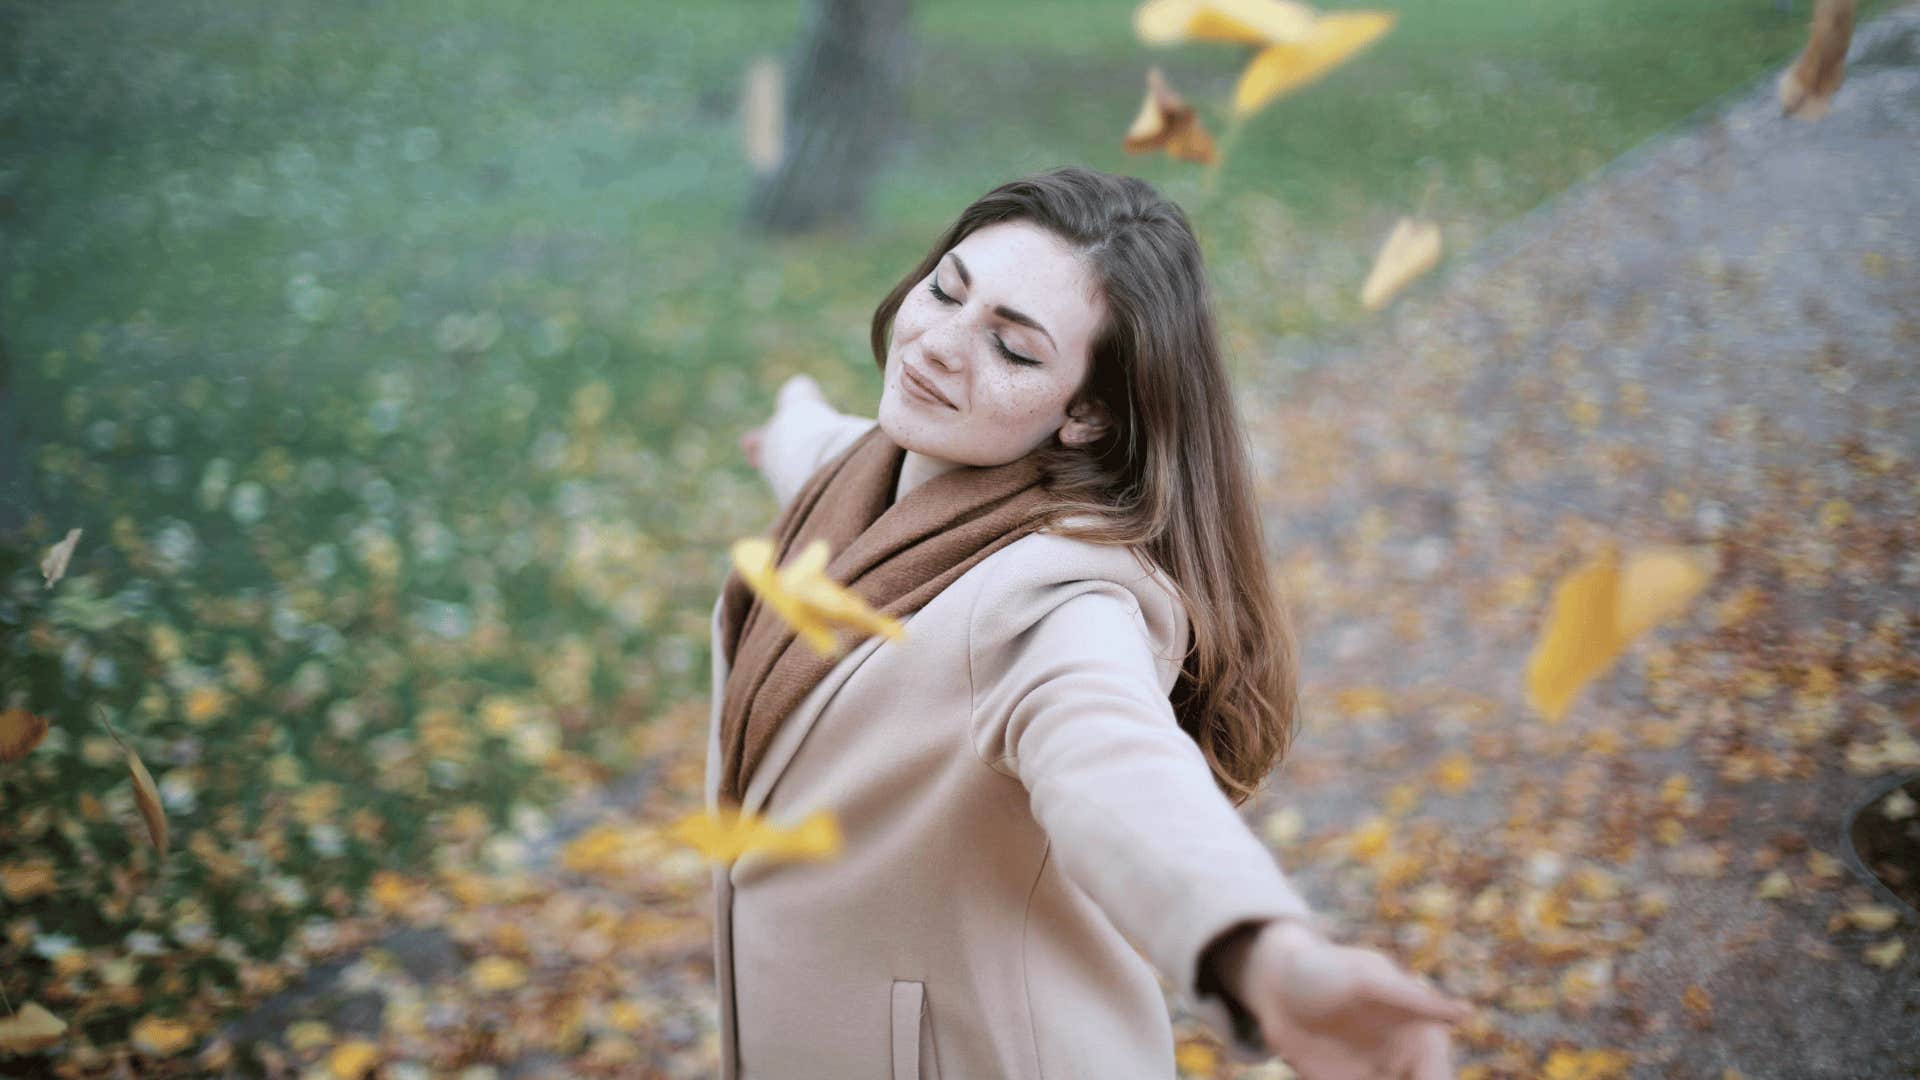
<point>845,103</point>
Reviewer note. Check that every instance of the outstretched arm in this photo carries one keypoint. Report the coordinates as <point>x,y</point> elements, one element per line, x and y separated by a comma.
<point>1074,705</point>
<point>804,433</point>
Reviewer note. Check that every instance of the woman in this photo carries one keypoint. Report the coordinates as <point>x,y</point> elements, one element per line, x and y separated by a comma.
<point>1036,782</point>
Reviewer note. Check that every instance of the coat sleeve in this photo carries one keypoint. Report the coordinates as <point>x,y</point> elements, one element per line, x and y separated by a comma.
<point>803,435</point>
<point>1071,698</point>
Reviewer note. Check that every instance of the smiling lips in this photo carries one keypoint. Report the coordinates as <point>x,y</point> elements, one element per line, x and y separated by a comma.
<point>924,386</point>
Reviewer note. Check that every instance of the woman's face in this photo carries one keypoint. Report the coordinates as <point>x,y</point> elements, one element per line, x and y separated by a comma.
<point>1008,288</point>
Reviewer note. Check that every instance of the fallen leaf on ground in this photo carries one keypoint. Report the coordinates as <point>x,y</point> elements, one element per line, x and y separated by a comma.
<point>353,1059</point>
<point>1886,954</point>
<point>30,1030</point>
<point>20,732</point>
<point>494,973</point>
<point>158,1037</point>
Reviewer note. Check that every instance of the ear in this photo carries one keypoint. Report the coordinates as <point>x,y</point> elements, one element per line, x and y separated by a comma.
<point>1086,424</point>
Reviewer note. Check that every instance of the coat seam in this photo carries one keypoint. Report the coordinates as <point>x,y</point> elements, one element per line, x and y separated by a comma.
<point>1026,970</point>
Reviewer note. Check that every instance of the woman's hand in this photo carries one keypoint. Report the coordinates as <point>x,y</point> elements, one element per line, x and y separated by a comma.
<point>1336,1012</point>
<point>796,387</point>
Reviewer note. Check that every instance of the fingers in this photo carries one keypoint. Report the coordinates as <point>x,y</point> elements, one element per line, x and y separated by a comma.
<point>1392,986</point>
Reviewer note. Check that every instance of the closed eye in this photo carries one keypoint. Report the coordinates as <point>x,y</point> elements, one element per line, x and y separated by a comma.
<point>933,287</point>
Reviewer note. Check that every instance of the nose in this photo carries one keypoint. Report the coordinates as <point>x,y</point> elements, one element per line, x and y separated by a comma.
<point>943,343</point>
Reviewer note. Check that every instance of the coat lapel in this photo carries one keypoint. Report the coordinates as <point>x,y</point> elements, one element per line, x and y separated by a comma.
<point>793,730</point>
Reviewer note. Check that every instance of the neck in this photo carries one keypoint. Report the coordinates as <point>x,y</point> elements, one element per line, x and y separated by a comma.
<point>917,469</point>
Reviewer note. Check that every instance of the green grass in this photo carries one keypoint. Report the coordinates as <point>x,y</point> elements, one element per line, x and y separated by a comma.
<point>245,241</point>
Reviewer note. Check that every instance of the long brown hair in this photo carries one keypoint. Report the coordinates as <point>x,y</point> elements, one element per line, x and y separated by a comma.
<point>1172,475</point>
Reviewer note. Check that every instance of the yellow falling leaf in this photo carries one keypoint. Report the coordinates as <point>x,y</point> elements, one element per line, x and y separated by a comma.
<point>1806,89</point>
<point>1600,608</point>
<point>30,1030</point>
<point>158,1037</point>
<point>147,797</point>
<point>1248,22</point>
<point>353,1059</point>
<point>20,732</point>
<point>1167,121</point>
<point>802,595</point>
<point>1285,66</point>
<point>1411,249</point>
<point>1659,583</point>
<point>725,836</point>
<point>54,566</point>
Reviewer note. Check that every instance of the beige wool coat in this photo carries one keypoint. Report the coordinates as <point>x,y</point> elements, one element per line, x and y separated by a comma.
<point>1027,832</point>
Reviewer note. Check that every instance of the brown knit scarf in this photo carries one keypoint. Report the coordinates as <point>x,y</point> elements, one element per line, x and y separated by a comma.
<point>895,556</point>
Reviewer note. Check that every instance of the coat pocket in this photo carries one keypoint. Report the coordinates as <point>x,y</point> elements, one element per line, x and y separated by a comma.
<point>913,1056</point>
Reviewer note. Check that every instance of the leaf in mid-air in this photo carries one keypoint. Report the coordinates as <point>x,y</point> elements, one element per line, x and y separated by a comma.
<point>1167,121</point>
<point>1600,608</point>
<point>1807,88</point>
<point>802,595</point>
<point>54,566</point>
<point>1285,66</point>
<point>1249,22</point>
<point>726,835</point>
<point>147,797</point>
<point>1412,249</point>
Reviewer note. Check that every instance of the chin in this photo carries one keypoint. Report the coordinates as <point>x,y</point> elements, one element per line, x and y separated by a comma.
<point>906,428</point>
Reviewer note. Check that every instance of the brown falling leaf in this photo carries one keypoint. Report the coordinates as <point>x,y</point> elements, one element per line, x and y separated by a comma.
<point>1167,122</point>
<point>1807,88</point>
<point>147,797</point>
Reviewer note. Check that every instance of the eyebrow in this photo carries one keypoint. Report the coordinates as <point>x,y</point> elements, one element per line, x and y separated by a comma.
<point>1002,310</point>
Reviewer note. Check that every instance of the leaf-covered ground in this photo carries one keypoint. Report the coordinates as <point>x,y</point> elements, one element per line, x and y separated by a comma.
<point>1712,343</point>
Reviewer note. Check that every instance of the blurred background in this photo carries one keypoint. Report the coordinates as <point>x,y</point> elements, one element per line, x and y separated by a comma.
<point>392,361</point>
